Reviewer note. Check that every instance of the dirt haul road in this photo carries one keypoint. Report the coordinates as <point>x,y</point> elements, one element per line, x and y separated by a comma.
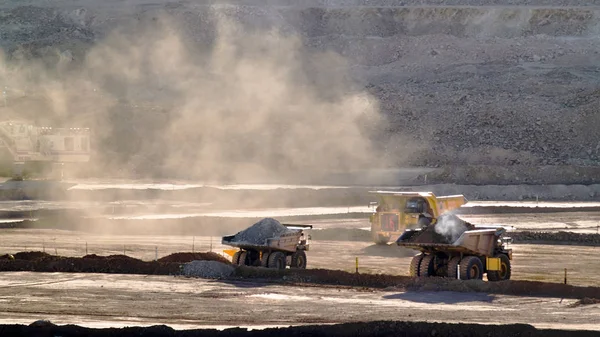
<point>532,262</point>
<point>117,300</point>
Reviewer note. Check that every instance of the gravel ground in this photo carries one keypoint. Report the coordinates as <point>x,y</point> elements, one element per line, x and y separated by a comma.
<point>207,269</point>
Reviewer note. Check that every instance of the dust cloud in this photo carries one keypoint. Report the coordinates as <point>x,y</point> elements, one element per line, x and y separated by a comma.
<point>451,227</point>
<point>238,105</point>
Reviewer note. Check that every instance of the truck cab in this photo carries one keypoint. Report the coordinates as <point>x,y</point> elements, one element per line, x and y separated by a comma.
<point>397,211</point>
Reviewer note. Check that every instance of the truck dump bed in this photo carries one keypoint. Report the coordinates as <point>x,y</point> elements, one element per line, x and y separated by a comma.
<point>472,242</point>
<point>284,242</point>
<point>268,234</point>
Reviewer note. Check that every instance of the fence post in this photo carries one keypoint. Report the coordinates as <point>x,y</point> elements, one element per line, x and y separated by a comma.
<point>357,264</point>
<point>156,253</point>
<point>565,275</point>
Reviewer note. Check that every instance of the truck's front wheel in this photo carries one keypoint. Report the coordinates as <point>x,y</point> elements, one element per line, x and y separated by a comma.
<point>299,260</point>
<point>471,268</point>
<point>504,272</point>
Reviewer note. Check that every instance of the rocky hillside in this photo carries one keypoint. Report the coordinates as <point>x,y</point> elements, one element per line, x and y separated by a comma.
<point>512,84</point>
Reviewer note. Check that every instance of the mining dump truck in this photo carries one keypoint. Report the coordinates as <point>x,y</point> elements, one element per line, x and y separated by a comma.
<point>269,244</point>
<point>397,211</point>
<point>457,249</point>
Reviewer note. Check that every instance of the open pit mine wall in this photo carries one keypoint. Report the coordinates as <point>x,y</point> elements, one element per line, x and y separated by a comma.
<point>79,22</point>
<point>465,84</point>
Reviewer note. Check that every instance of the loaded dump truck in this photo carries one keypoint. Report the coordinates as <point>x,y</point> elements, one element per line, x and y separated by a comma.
<point>269,244</point>
<point>397,211</point>
<point>457,249</point>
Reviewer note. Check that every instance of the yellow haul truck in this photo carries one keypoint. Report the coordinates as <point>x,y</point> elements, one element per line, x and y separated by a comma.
<point>397,211</point>
<point>457,249</point>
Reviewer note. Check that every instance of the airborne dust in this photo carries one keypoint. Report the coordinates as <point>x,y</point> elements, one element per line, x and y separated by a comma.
<point>237,104</point>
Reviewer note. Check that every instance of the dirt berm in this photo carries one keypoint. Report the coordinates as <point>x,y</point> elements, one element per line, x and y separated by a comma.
<point>113,264</point>
<point>43,262</point>
<point>529,237</point>
<point>360,329</point>
<point>558,238</point>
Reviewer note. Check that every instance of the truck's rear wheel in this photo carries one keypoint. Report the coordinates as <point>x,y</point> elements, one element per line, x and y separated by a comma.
<point>504,272</point>
<point>453,267</point>
<point>277,260</point>
<point>243,259</point>
<point>427,268</point>
<point>471,268</point>
<point>264,260</point>
<point>236,257</point>
<point>415,264</point>
<point>299,260</point>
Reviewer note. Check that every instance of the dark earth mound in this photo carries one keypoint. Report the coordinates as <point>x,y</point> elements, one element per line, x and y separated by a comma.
<point>120,264</point>
<point>562,238</point>
<point>189,257</point>
<point>359,329</point>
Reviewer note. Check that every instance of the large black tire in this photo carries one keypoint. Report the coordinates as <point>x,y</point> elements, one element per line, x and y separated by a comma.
<point>453,267</point>
<point>264,260</point>
<point>427,268</point>
<point>243,260</point>
<point>504,272</point>
<point>415,265</point>
<point>236,257</point>
<point>277,260</point>
<point>471,268</point>
<point>298,260</point>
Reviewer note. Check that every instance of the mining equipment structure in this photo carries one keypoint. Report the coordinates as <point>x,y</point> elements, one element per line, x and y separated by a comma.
<point>397,211</point>
<point>26,142</point>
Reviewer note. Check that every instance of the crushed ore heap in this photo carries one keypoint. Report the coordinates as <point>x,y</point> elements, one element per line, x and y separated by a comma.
<point>447,230</point>
<point>207,269</point>
<point>261,231</point>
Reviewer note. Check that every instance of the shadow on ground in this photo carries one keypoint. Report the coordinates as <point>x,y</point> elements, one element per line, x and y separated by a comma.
<point>257,283</point>
<point>391,250</point>
<point>445,297</point>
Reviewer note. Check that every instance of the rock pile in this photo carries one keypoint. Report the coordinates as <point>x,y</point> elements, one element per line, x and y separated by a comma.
<point>258,233</point>
<point>558,237</point>
<point>208,269</point>
<point>447,229</point>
